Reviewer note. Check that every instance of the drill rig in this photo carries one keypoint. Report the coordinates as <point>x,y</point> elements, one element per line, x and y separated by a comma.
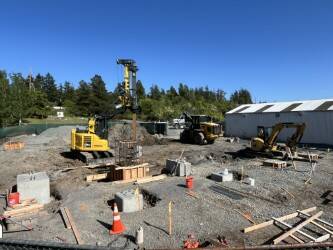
<point>91,145</point>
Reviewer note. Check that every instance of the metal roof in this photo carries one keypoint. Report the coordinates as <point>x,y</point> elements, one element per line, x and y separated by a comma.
<point>310,105</point>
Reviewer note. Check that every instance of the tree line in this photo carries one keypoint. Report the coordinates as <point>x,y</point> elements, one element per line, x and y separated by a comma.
<point>33,97</point>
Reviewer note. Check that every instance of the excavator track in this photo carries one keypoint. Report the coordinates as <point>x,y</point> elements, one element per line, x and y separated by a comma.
<point>96,157</point>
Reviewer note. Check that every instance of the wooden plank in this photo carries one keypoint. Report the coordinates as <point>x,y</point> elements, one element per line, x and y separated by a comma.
<point>20,211</point>
<point>298,227</point>
<point>153,178</point>
<point>74,228</point>
<point>271,222</point>
<point>96,177</point>
<point>98,165</point>
<point>323,238</point>
<point>131,167</point>
<point>65,218</point>
<point>299,231</point>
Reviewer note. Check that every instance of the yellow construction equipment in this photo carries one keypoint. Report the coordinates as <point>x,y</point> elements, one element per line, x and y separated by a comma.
<point>267,138</point>
<point>91,145</point>
<point>199,129</point>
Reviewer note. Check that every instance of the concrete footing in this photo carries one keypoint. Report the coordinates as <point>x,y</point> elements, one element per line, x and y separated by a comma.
<point>129,201</point>
<point>35,186</point>
<point>222,176</point>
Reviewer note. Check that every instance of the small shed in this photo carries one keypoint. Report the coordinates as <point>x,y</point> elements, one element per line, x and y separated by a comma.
<point>60,111</point>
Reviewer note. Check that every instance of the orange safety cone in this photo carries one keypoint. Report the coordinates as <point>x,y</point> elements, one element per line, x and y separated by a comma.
<point>117,226</point>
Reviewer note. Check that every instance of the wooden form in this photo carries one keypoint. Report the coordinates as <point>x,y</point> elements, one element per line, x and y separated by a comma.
<point>13,145</point>
<point>73,226</point>
<point>96,177</point>
<point>122,173</point>
<point>292,230</point>
<point>129,172</point>
<point>275,163</point>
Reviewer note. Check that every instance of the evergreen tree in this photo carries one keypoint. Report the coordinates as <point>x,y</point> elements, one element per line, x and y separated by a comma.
<point>83,99</point>
<point>4,95</point>
<point>241,96</point>
<point>50,88</point>
<point>140,90</point>
<point>99,98</point>
<point>155,92</point>
<point>69,92</point>
<point>18,101</point>
<point>39,106</point>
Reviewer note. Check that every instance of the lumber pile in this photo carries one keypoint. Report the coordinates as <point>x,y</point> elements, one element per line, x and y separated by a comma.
<point>23,209</point>
<point>304,231</point>
<point>13,145</point>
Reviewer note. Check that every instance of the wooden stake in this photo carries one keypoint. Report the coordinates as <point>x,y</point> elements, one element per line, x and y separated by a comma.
<point>170,217</point>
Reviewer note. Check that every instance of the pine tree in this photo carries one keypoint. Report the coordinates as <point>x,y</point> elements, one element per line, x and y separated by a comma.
<point>50,88</point>
<point>83,99</point>
<point>99,99</point>
<point>4,95</point>
<point>140,90</point>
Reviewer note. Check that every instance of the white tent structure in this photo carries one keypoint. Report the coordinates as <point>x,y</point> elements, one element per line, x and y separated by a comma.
<point>317,115</point>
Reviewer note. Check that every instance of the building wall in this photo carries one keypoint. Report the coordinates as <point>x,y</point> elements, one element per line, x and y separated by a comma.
<point>319,125</point>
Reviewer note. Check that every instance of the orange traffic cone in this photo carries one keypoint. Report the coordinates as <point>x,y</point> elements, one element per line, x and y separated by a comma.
<point>117,226</point>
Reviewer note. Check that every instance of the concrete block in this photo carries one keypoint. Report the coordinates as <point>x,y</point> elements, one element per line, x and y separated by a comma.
<point>249,181</point>
<point>178,167</point>
<point>128,201</point>
<point>222,176</point>
<point>35,186</point>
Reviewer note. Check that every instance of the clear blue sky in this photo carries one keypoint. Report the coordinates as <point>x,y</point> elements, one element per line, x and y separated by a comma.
<point>278,49</point>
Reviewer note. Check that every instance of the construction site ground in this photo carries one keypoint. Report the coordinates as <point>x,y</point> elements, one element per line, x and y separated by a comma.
<point>215,211</point>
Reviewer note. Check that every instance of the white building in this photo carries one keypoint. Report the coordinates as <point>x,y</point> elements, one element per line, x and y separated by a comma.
<point>60,111</point>
<point>317,115</point>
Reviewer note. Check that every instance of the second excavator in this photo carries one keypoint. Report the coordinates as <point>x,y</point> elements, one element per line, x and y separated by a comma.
<point>266,142</point>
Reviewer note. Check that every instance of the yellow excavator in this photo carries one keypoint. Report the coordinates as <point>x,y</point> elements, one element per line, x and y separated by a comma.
<point>91,145</point>
<point>200,129</point>
<point>266,141</point>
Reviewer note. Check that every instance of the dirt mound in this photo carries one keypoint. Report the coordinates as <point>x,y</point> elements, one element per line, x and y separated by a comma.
<point>123,132</point>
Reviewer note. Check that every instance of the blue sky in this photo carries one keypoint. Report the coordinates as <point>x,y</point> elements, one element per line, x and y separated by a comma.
<point>278,49</point>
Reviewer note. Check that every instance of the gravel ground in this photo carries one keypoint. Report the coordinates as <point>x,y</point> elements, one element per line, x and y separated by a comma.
<point>210,215</point>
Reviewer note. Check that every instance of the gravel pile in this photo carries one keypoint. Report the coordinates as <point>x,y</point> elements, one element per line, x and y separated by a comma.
<point>123,132</point>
